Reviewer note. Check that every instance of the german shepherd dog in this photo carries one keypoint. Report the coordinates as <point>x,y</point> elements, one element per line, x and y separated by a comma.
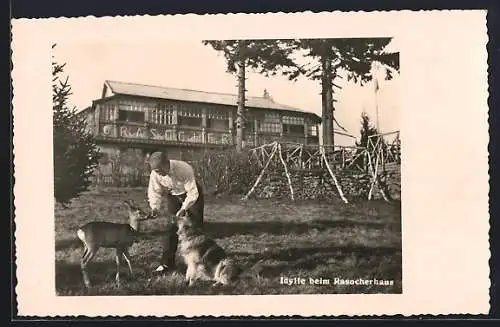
<point>204,258</point>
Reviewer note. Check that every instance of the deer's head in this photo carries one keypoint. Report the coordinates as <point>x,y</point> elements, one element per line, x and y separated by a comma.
<point>136,214</point>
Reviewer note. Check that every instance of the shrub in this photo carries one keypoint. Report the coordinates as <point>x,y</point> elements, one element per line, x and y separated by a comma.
<point>226,171</point>
<point>75,153</point>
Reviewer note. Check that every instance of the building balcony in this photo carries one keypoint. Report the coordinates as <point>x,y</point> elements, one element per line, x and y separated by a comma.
<point>157,134</point>
<point>147,133</point>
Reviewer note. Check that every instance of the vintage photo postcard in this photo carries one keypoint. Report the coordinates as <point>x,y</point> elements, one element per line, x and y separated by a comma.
<point>272,164</point>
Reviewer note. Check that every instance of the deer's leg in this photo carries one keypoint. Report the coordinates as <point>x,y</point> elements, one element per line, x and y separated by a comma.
<point>85,251</point>
<point>126,255</point>
<point>87,257</point>
<point>118,256</point>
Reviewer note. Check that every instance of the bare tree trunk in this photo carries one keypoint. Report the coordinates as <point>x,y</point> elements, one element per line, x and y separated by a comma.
<point>327,100</point>
<point>324,115</point>
<point>240,114</point>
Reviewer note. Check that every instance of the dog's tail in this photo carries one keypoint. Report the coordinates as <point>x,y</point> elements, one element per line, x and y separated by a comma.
<point>250,271</point>
<point>232,270</point>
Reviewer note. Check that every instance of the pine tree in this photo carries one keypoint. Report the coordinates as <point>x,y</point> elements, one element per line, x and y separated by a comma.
<point>332,59</point>
<point>75,153</point>
<point>264,56</point>
<point>367,130</point>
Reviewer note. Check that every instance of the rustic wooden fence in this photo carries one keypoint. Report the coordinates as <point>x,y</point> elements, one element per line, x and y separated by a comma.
<point>381,150</point>
<point>294,159</point>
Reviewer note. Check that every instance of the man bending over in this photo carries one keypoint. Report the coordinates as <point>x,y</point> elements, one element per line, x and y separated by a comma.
<point>175,182</point>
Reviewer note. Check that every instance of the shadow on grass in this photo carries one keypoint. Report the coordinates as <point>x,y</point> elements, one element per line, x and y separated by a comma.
<point>364,259</point>
<point>68,276</point>
<point>325,253</point>
<point>331,261</point>
<point>228,229</point>
<point>69,243</point>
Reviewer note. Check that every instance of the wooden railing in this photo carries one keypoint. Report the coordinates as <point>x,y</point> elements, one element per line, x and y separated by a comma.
<point>219,137</point>
<point>301,156</point>
<point>192,135</point>
<point>171,133</point>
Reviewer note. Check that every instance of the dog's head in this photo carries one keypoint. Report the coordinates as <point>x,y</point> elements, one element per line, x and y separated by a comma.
<point>185,227</point>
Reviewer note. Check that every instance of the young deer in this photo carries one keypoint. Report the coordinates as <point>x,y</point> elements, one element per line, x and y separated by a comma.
<point>101,234</point>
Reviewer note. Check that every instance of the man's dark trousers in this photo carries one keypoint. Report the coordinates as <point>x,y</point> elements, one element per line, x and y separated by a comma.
<point>195,213</point>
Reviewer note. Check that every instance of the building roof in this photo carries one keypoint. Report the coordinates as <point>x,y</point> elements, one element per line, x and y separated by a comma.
<point>169,93</point>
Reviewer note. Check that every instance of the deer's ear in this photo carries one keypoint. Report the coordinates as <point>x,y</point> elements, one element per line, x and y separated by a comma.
<point>127,203</point>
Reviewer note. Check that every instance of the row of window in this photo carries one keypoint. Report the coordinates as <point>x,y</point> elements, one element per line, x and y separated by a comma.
<point>218,124</point>
<point>290,120</point>
<point>219,120</point>
<point>162,115</point>
<point>188,111</point>
<point>135,105</point>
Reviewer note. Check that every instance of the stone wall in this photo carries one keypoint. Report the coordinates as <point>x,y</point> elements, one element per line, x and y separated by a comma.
<point>318,184</point>
<point>392,179</point>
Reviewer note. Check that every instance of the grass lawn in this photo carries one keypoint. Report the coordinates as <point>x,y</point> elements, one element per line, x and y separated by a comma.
<point>269,238</point>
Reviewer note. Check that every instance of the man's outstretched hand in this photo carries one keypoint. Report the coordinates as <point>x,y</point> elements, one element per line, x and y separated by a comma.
<point>180,213</point>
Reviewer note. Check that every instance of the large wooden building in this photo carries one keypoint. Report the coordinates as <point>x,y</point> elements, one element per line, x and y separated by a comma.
<point>138,118</point>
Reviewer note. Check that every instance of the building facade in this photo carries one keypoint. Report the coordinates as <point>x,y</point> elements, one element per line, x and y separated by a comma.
<point>135,119</point>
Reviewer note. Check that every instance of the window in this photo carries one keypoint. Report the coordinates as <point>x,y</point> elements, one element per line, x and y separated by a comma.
<point>189,121</point>
<point>107,112</point>
<point>270,124</point>
<point>131,116</point>
<point>293,129</point>
<point>291,120</point>
<point>217,119</point>
<point>163,114</point>
<point>189,112</point>
<point>312,131</point>
<point>219,124</point>
<point>249,127</point>
<point>190,117</point>
<point>130,105</point>
<point>217,114</point>
<point>293,125</point>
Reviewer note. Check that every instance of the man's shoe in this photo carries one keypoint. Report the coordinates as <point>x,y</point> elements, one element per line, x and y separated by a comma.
<point>162,269</point>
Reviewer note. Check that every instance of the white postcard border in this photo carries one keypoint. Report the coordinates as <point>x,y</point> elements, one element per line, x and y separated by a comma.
<point>444,202</point>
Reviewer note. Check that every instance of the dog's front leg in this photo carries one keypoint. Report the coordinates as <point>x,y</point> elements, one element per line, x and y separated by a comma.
<point>202,273</point>
<point>190,275</point>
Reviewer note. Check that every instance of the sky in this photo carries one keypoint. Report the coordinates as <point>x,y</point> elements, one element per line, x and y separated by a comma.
<point>191,65</point>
